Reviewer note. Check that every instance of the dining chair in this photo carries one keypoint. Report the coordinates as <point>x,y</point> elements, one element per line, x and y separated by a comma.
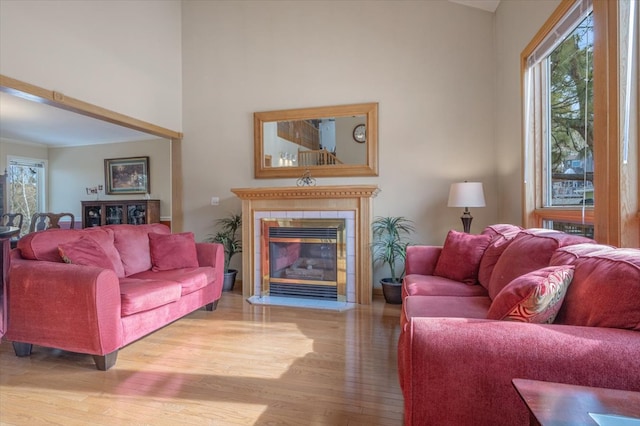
<point>12,219</point>
<point>42,221</point>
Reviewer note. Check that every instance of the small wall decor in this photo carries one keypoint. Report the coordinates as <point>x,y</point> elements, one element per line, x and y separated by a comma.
<point>306,179</point>
<point>95,190</point>
<point>127,175</point>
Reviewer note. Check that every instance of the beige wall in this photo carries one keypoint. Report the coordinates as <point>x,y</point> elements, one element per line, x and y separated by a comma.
<point>120,55</point>
<point>73,169</point>
<point>428,64</point>
<point>350,152</point>
<point>20,149</point>
<point>516,23</point>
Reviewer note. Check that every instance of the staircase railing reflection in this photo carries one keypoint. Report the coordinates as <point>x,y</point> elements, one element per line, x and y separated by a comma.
<point>319,157</point>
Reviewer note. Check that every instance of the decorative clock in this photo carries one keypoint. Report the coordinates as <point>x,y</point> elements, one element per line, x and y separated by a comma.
<point>360,133</point>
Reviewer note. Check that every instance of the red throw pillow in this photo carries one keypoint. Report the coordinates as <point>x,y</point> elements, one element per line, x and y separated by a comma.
<point>460,256</point>
<point>172,251</point>
<point>85,251</point>
<point>501,237</point>
<point>534,297</point>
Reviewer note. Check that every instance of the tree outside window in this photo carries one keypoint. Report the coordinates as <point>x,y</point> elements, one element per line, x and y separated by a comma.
<point>570,143</point>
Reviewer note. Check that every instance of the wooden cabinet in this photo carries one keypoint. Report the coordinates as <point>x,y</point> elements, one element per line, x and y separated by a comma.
<point>114,212</point>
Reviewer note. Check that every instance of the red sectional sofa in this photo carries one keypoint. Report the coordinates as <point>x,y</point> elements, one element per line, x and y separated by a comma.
<point>96,290</point>
<point>513,303</point>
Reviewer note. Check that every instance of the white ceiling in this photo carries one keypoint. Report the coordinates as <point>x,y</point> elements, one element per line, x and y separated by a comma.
<point>22,120</point>
<point>488,5</point>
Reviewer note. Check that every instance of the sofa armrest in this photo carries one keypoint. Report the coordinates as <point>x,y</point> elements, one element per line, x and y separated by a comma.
<point>210,254</point>
<point>422,259</point>
<point>459,371</point>
<point>70,307</point>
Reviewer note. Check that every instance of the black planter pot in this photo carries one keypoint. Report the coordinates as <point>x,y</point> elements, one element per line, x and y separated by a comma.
<point>392,291</point>
<point>229,279</point>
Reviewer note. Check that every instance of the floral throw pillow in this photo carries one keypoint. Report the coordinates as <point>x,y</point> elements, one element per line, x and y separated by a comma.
<point>535,297</point>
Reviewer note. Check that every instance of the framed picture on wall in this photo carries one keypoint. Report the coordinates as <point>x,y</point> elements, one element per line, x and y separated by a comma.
<point>127,175</point>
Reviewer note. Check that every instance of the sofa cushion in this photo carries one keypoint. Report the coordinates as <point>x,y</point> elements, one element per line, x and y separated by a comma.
<point>605,291</point>
<point>142,295</point>
<point>431,285</point>
<point>43,245</point>
<point>534,297</point>
<point>570,254</point>
<point>132,242</point>
<point>531,249</point>
<point>172,251</point>
<point>444,306</point>
<point>85,251</point>
<point>190,279</point>
<point>501,236</point>
<point>460,256</point>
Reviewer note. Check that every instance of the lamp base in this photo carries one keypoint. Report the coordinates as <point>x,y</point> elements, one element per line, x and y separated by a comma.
<point>466,219</point>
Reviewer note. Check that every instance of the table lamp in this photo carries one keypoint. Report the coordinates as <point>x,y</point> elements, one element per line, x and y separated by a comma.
<point>466,194</point>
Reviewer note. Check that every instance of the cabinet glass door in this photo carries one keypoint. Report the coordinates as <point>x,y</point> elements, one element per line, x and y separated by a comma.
<point>115,215</point>
<point>93,216</point>
<point>136,214</point>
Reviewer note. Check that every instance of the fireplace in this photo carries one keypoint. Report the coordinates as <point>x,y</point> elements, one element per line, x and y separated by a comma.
<point>353,203</point>
<point>304,258</point>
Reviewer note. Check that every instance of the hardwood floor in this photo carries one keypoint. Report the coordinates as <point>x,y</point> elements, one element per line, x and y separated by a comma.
<point>239,365</point>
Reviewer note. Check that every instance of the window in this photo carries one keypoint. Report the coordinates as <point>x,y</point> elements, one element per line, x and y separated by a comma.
<point>578,174</point>
<point>628,73</point>
<point>568,143</point>
<point>26,188</point>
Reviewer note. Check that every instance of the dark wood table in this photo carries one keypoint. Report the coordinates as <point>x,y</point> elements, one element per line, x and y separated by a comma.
<point>555,404</point>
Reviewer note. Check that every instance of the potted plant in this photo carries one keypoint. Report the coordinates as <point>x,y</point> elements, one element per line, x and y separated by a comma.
<point>227,235</point>
<point>389,247</point>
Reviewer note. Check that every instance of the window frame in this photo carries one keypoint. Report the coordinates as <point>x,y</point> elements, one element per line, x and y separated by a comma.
<point>614,221</point>
<point>43,182</point>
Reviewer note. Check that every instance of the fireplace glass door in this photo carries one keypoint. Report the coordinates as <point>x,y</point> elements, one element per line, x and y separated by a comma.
<point>304,258</point>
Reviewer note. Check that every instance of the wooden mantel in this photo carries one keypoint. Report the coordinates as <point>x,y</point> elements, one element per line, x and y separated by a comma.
<point>357,198</point>
<point>277,193</point>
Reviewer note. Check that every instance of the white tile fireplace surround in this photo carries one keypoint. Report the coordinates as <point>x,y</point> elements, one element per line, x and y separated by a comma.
<point>349,202</point>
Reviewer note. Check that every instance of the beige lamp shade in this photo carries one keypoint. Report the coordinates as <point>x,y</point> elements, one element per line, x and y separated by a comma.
<point>466,194</point>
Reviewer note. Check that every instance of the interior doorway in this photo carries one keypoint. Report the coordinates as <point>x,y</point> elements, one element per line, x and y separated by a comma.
<point>59,100</point>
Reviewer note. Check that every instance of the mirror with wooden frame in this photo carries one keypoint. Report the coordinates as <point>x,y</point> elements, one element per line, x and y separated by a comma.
<point>330,141</point>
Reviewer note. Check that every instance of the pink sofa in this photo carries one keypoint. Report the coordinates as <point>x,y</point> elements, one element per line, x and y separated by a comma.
<point>96,290</point>
<point>456,365</point>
